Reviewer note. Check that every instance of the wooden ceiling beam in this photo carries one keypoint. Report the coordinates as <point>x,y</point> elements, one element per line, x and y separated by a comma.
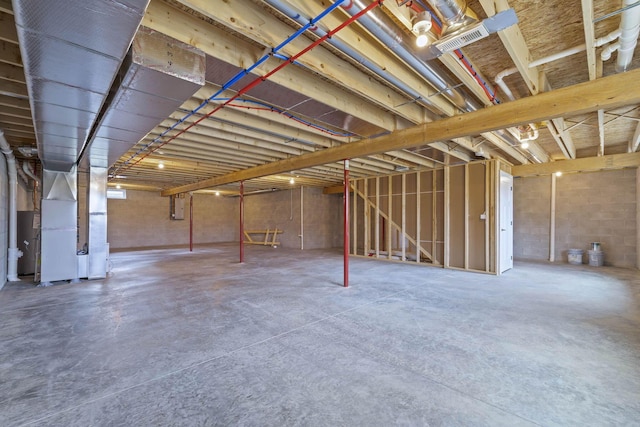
<point>608,92</point>
<point>8,28</point>
<point>12,73</point>
<point>9,101</point>
<point>10,54</point>
<point>588,164</point>
<point>378,54</point>
<point>514,43</point>
<point>242,16</point>
<point>589,37</point>
<point>6,7</point>
<point>634,143</point>
<point>217,42</point>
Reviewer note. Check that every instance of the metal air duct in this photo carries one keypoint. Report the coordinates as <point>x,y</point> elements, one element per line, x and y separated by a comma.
<point>460,26</point>
<point>158,75</point>
<point>71,50</point>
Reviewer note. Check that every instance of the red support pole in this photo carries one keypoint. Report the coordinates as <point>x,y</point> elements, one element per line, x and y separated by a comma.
<point>346,223</point>
<point>191,222</point>
<point>241,221</point>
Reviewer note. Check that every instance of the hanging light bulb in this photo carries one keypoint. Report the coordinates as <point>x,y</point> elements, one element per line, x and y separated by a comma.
<point>160,165</point>
<point>292,181</point>
<point>118,186</point>
<point>217,193</point>
<point>421,27</point>
<point>524,145</point>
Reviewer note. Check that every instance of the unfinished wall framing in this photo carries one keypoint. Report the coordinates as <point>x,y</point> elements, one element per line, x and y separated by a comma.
<point>443,217</point>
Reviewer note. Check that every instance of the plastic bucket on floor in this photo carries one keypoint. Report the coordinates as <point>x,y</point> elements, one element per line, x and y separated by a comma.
<point>596,258</point>
<point>575,256</point>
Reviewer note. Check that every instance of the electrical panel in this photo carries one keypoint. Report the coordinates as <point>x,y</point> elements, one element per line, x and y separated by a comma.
<point>176,206</point>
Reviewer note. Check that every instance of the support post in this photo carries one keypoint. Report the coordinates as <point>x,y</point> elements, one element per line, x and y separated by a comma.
<point>346,223</point>
<point>552,222</point>
<point>190,222</point>
<point>241,221</point>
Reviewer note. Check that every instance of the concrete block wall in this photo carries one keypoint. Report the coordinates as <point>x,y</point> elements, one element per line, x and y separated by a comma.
<point>590,207</point>
<point>598,207</point>
<point>322,216</point>
<point>142,220</point>
<point>531,217</point>
<point>4,220</point>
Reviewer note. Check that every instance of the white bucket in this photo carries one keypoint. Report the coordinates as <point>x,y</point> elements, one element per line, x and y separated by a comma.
<point>596,258</point>
<point>575,256</point>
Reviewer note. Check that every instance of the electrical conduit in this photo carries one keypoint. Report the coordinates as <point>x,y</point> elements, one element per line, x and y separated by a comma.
<point>227,85</point>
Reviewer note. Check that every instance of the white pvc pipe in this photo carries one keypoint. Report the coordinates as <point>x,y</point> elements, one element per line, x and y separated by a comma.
<point>13,253</point>
<point>630,29</point>
<point>500,82</point>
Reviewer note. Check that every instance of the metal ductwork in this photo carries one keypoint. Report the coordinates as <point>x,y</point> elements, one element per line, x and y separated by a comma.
<point>157,76</point>
<point>71,50</point>
<point>460,26</point>
<point>453,14</point>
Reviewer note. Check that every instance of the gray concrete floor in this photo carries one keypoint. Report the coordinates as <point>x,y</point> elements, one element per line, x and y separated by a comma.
<point>178,338</point>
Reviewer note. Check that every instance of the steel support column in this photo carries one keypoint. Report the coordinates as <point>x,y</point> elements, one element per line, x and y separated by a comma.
<point>346,223</point>
<point>191,222</point>
<point>241,221</point>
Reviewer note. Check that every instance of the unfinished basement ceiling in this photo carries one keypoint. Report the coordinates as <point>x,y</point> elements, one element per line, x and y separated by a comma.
<point>360,86</point>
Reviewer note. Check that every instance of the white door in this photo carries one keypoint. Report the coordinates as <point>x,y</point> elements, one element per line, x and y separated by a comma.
<point>506,222</point>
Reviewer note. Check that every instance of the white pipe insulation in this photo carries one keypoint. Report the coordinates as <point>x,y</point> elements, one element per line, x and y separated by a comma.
<point>14,253</point>
<point>629,31</point>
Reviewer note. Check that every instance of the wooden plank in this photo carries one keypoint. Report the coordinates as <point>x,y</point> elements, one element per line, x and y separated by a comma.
<point>359,41</point>
<point>605,93</point>
<point>8,28</point>
<point>514,42</point>
<point>434,216</point>
<point>15,112</point>
<point>635,141</point>
<point>466,217</point>
<point>267,30</point>
<point>367,219</point>
<point>12,102</point>
<point>398,227</point>
<point>589,164</point>
<point>447,216</point>
<point>354,222</point>
<point>487,195</point>
<point>589,37</point>
<point>6,7</point>
<point>403,231</point>
<point>18,89</point>
<point>15,120</point>
<point>10,53</point>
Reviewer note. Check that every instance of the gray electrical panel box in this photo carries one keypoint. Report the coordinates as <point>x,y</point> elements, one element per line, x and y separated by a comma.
<point>176,206</point>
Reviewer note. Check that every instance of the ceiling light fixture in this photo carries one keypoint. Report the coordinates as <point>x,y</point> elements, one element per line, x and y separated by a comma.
<point>558,173</point>
<point>421,27</point>
<point>160,165</point>
<point>292,181</point>
<point>524,145</point>
<point>118,186</point>
<point>217,193</point>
